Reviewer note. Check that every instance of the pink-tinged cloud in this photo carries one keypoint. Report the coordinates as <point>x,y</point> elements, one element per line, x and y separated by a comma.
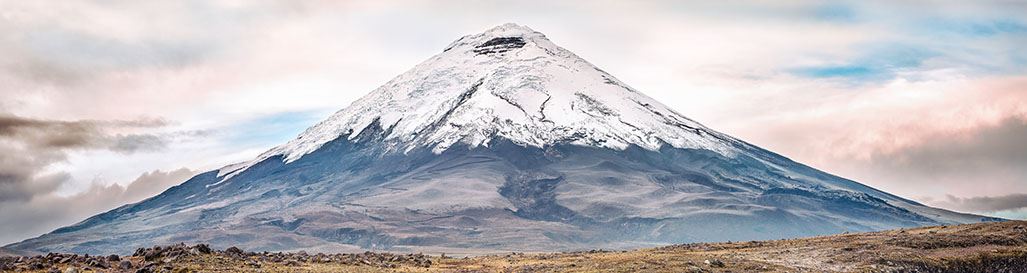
<point>917,139</point>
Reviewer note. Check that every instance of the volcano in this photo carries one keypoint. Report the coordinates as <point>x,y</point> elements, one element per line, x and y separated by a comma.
<point>504,141</point>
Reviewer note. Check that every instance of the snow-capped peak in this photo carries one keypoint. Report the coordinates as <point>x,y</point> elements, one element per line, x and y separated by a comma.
<point>509,82</point>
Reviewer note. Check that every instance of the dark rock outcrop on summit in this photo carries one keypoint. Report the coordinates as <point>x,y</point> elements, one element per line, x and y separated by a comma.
<point>500,45</point>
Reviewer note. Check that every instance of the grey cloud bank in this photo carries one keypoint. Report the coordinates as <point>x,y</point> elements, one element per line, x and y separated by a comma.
<point>987,203</point>
<point>45,212</point>
<point>28,186</point>
<point>28,146</point>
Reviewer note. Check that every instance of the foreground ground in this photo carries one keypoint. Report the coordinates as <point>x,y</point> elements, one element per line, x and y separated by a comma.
<point>986,247</point>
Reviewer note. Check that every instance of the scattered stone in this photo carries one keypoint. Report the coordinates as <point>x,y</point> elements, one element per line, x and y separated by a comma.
<point>696,269</point>
<point>714,263</point>
<point>235,251</point>
<point>71,270</point>
<point>202,248</point>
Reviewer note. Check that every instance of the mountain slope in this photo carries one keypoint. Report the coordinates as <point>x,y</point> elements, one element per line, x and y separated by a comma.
<point>504,141</point>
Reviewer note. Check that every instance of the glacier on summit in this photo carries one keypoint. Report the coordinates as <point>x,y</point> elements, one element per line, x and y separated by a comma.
<point>539,94</point>
<point>502,142</point>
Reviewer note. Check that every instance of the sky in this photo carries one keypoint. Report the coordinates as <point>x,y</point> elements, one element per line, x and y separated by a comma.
<point>104,103</point>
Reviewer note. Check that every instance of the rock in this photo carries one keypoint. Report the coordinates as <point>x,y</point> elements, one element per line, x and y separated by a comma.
<point>71,270</point>
<point>714,263</point>
<point>125,264</point>
<point>98,263</point>
<point>234,251</point>
<point>113,258</point>
<point>203,248</point>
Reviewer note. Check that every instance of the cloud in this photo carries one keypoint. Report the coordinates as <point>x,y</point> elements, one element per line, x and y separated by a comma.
<point>133,143</point>
<point>28,147</point>
<point>948,134</point>
<point>986,161</point>
<point>46,212</point>
<point>1000,146</point>
<point>85,134</point>
<point>1011,202</point>
<point>29,183</point>
<point>20,173</point>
